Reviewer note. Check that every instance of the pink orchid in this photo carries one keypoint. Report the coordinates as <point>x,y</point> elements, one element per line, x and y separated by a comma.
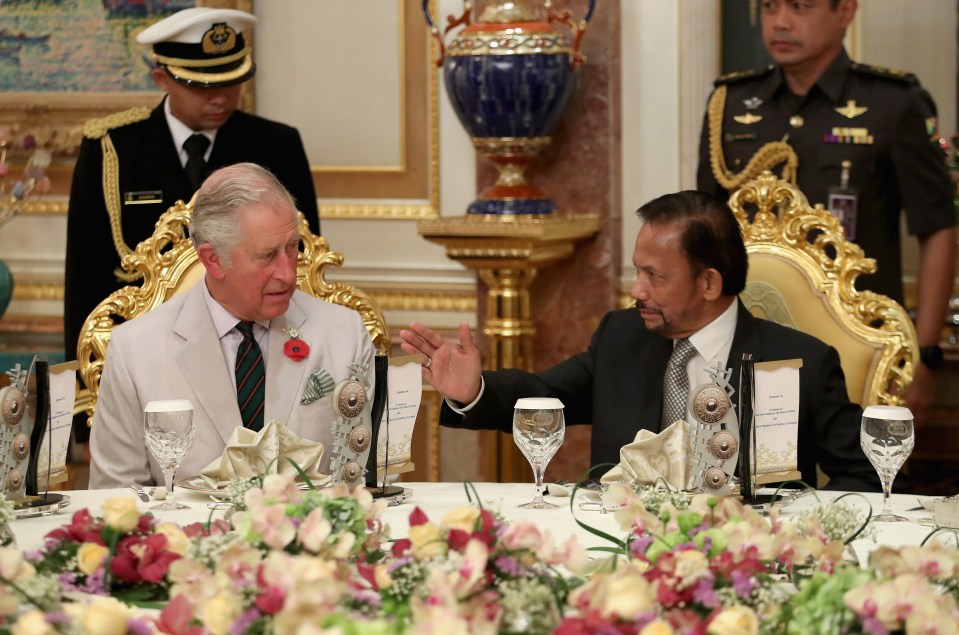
<point>273,525</point>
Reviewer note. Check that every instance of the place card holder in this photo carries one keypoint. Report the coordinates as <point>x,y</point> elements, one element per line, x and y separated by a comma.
<point>747,429</point>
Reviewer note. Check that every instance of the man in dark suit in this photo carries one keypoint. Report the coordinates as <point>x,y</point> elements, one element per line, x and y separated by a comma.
<point>691,263</point>
<point>135,164</point>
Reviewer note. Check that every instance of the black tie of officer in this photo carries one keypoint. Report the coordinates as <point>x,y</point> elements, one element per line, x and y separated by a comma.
<point>195,148</point>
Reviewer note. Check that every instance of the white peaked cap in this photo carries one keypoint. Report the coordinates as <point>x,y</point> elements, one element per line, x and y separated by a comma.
<point>189,26</point>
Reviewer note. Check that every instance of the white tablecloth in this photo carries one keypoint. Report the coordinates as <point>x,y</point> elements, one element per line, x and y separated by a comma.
<point>438,498</point>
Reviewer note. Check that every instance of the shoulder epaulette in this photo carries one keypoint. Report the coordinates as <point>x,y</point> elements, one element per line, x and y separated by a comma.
<point>738,76</point>
<point>887,73</point>
<point>97,128</point>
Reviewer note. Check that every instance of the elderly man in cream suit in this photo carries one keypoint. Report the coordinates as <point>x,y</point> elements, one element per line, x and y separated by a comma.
<point>245,230</point>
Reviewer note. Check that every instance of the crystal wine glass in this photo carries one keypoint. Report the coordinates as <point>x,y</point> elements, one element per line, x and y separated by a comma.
<point>169,429</point>
<point>538,431</point>
<point>887,438</point>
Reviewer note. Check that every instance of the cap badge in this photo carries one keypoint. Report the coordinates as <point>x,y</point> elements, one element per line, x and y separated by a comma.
<point>219,39</point>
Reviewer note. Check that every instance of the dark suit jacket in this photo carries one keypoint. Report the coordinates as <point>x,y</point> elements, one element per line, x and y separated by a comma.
<point>617,385</point>
<point>148,162</point>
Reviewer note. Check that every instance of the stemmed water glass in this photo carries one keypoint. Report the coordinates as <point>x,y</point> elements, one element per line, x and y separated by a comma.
<point>887,438</point>
<point>169,430</point>
<point>538,431</point>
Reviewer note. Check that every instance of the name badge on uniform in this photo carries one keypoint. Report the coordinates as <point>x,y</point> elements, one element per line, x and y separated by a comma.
<point>144,197</point>
<point>842,201</point>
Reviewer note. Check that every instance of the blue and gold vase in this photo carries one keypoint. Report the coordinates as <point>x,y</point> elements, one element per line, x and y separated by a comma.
<point>509,75</point>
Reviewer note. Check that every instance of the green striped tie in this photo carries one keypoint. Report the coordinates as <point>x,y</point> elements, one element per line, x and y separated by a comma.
<point>250,378</point>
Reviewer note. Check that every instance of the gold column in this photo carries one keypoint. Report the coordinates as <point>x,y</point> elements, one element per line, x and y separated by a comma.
<point>507,252</point>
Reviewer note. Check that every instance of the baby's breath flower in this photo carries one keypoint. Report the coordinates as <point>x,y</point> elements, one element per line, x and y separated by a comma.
<point>834,520</point>
<point>529,606</point>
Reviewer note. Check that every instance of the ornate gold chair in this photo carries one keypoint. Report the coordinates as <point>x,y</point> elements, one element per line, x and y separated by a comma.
<point>802,272</point>
<point>169,265</point>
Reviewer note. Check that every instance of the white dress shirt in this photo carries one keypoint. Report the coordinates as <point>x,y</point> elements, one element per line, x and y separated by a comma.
<point>181,132</point>
<point>712,343</point>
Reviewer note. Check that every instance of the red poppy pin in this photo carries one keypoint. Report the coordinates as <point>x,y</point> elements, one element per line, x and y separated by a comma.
<point>295,348</point>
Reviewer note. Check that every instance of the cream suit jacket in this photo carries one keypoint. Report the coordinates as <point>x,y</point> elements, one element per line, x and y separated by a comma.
<point>173,352</point>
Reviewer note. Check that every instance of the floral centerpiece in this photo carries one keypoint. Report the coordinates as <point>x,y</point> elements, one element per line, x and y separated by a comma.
<point>320,561</point>
<point>716,566</point>
<point>474,573</point>
<point>289,560</point>
<point>124,553</point>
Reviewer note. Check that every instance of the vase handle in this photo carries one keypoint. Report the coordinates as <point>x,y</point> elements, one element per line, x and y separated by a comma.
<point>576,57</point>
<point>453,22</point>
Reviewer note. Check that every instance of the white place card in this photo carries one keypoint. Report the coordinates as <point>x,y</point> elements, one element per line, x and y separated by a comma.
<point>777,420</point>
<point>405,390</point>
<point>55,447</point>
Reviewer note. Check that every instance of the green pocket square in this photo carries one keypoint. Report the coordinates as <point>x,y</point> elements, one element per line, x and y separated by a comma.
<point>318,385</point>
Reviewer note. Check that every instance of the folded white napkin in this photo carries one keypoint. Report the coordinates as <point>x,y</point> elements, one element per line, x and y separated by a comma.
<point>250,453</point>
<point>653,456</point>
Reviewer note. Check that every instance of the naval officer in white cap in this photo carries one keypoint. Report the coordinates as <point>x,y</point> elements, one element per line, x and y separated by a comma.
<point>152,158</point>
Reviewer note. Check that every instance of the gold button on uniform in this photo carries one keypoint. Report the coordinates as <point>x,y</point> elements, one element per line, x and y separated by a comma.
<point>796,121</point>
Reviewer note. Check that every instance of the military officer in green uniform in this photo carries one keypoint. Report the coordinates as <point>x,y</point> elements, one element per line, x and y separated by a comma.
<point>867,148</point>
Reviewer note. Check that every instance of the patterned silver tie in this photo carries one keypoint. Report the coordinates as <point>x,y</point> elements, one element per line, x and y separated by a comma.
<point>676,383</point>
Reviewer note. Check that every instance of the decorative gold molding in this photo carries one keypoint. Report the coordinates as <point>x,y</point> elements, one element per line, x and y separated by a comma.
<point>367,211</point>
<point>37,290</point>
<point>432,301</point>
<point>553,227</point>
<point>455,299</point>
<point>46,208</point>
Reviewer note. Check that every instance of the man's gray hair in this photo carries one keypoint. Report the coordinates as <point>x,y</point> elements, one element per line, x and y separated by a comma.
<point>223,197</point>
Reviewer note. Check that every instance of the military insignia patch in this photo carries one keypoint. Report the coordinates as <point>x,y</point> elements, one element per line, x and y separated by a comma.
<point>747,119</point>
<point>851,110</point>
<point>752,103</point>
<point>218,39</point>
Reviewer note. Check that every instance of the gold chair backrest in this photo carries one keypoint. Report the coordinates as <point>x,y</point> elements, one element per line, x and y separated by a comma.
<point>169,265</point>
<point>802,273</point>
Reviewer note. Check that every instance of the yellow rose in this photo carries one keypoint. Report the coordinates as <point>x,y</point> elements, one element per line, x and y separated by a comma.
<point>736,620</point>
<point>220,612</point>
<point>32,622</point>
<point>657,627</point>
<point>90,557</point>
<point>121,514</point>
<point>176,541</point>
<point>105,616</point>
<point>382,576</point>
<point>427,541</point>
<point>463,518</point>
<point>627,595</point>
